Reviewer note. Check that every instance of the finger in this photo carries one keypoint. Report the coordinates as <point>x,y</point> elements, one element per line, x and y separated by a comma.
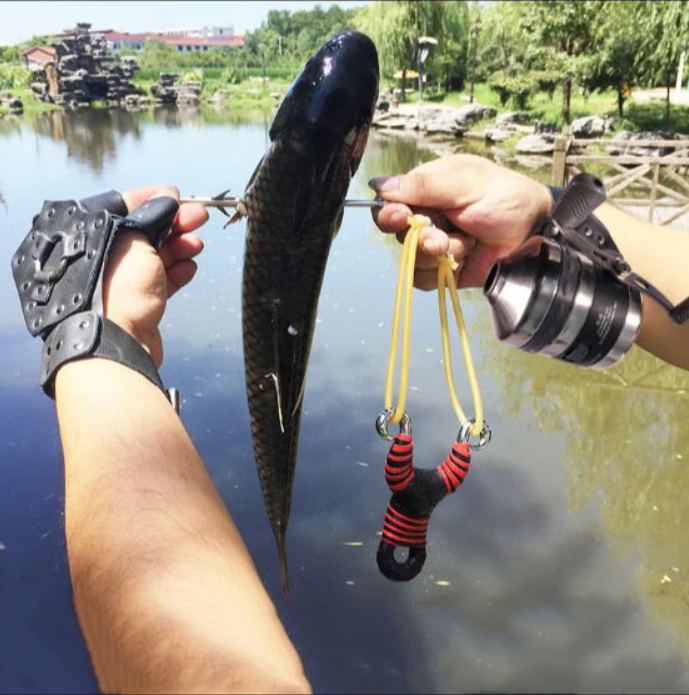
<point>179,275</point>
<point>136,198</point>
<point>445,183</point>
<point>191,217</point>
<point>180,248</point>
<point>392,218</point>
<point>435,243</point>
<point>426,280</point>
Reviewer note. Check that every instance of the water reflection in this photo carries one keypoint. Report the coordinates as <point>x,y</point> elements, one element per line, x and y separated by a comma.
<point>626,444</point>
<point>555,553</point>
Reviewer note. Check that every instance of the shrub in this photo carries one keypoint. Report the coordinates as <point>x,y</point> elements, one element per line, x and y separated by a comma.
<point>14,76</point>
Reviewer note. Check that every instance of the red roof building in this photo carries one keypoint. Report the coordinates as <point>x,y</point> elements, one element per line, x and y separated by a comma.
<point>37,57</point>
<point>181,43</point>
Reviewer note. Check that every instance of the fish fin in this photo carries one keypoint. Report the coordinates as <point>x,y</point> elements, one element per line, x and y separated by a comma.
<point>338,222</point>
<point>239,213</point>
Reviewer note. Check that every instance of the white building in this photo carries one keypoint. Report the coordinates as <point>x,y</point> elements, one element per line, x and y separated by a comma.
<point>208,32</point>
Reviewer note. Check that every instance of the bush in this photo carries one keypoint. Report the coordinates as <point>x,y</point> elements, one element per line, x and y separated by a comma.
<point>516,90</point>
<point>14,76</point>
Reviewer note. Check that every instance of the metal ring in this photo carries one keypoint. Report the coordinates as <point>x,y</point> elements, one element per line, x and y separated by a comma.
<point>484,436</point>
<point>383,420</point>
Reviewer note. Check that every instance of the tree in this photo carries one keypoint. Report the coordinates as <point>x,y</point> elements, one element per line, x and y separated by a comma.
<point>561,31</point>
<point>395,27</point>
<point>614,63</point>
<point>665,30</point>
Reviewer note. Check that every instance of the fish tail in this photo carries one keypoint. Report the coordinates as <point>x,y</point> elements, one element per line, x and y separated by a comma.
<point>281,537</point>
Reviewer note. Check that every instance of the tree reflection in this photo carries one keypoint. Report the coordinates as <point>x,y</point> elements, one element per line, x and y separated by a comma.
<point>91,135</point>
<point>625,443</point>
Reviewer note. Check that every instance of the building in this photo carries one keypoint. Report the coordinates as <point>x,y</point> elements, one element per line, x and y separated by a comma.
<point>37,57</point>
<point>214,32</point>
<point>117,41</point>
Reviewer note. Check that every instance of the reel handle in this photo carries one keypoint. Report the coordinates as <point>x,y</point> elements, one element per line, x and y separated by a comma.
<point>580,198</point>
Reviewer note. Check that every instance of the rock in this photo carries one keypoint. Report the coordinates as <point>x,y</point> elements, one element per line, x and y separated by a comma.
<point>506,120</point>
<point>189,92</point>
<point>497,134</point>
<point>536,144</point>
<point>395,123</point>
<point>474,112</point>
<point>8,100</point>
<point>84,72</point>
<point>589,127</point>
<point>642,150</point>
<point>541,127</point>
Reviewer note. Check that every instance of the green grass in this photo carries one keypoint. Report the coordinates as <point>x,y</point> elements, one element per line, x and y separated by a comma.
<point>638,116</point>
<point>31,105</point>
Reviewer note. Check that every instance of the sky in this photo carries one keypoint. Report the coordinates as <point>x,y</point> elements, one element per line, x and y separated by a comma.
<point>20,21</point>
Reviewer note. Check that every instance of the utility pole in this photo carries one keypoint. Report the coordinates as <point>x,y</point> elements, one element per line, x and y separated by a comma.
<point>477,29</point>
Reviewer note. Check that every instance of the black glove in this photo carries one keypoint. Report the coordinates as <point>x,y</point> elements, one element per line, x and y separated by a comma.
<point>58,270</point>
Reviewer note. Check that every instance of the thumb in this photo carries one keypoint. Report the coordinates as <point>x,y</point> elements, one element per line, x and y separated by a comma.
<point>418,189</point>
<point>446,183</point>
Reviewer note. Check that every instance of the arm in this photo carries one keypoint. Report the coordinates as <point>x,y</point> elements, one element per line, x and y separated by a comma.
<point>661,256</point>
<point>497,209</point>
<point>166,593</point>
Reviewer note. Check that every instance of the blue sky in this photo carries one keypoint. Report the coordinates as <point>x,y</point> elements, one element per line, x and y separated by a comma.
<point>20,21</point>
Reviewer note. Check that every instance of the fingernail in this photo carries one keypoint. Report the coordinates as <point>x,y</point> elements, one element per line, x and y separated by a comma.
<point>384,184</point>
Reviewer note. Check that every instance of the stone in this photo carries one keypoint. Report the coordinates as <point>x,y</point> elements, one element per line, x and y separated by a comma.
<point>396,123</point>
<point>641,150</point>
<point>85,72</point>
<point>536,144</point>
<point>497,134</point>
<point>471,113</point>
<point>541,127</point>
<point>589,127</point>
<point>505,120</point>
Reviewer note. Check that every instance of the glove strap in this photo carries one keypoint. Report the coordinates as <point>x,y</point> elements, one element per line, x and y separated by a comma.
<point>88,335</point>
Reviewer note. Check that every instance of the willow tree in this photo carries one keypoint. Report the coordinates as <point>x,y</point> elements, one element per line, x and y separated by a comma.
<point>664,34</point>
<point>396,27</point>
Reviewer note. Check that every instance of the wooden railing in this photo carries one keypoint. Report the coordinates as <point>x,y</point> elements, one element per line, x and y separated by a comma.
<point>659,181</point>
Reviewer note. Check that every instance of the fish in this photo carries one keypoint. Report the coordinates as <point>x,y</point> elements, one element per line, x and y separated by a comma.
<point>294,207</point>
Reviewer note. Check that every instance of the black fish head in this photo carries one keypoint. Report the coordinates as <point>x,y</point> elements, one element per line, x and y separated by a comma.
<point>334,97</point>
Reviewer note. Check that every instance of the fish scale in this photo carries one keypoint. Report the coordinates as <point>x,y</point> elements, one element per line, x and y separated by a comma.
<point>294,204</point>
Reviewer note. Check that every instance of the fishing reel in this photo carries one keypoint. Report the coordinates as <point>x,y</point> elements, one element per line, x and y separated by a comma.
<point>568,293</point>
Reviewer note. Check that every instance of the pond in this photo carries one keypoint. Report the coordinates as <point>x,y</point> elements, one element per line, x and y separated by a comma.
<point>562,564</point>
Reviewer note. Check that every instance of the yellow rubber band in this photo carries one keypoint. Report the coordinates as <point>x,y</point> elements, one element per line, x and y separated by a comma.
<point>404,292</point>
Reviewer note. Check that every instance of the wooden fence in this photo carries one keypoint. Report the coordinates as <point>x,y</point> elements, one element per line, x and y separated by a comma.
<point>660,182</point>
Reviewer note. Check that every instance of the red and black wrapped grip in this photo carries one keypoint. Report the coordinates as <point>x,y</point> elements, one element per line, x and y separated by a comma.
<point>415,494</point>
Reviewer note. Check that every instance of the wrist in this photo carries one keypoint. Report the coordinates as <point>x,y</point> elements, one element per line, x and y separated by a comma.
<point>544,201</point>
<point>150,341</point>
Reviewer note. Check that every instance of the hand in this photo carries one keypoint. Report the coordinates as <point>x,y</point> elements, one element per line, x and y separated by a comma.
<point>139,280</point>
<point>482,213</point>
